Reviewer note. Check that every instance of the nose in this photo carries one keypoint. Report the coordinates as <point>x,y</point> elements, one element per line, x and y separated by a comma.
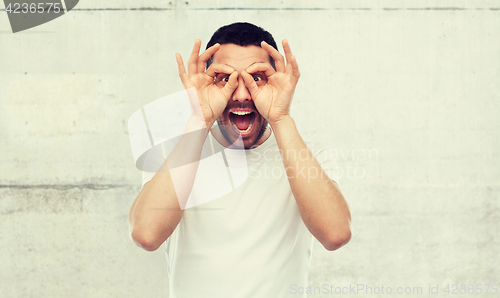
<point>241,92</point>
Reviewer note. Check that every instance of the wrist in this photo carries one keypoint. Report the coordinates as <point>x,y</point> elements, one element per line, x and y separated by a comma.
<point>284,122</point>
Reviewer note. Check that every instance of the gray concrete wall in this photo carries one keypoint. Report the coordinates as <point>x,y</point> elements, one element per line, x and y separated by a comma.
<point>414,83</point>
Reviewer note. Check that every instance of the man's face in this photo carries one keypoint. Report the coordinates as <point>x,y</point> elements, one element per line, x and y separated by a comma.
<point>240,115</point>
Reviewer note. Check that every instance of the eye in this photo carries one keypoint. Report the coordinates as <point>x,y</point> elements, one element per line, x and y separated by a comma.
<point>257,78</point>
<point>221,78</point>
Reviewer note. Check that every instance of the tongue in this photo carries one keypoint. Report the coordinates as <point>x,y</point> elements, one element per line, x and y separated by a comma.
<point>242,122</point>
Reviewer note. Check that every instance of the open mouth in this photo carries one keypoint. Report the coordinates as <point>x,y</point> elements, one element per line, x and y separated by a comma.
<point>242,120</point>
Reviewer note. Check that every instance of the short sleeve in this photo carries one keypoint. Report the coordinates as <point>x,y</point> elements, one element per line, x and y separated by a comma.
<point>326,161</point>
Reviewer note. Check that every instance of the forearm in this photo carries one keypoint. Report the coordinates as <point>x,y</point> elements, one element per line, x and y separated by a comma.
<point>155,213</point>
<point>158,208</point>
<point>321,204</point>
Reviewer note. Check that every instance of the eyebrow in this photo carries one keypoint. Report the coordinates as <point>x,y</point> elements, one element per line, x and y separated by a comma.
<point>247,66</point>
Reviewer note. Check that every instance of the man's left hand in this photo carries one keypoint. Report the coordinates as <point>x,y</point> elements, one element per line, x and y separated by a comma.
<point>273,98</point>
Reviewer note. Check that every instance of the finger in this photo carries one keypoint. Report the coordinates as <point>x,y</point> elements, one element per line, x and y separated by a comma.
<point>266,68</point>
<point>182,71</point>
<point>231,85</point>
<point>202,60</point>
<point>292,67</point>
<point>278,58</point>
<point>193,59</point>
<point>250,84</point>
<point>216,68</point>
<point>288,56</point>
<point>295,68</point>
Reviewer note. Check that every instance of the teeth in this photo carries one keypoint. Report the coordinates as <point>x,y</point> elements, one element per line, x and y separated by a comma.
<point>240,113</point>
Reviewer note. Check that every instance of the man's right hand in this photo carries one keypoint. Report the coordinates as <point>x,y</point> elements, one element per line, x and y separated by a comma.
<point>212,97</point>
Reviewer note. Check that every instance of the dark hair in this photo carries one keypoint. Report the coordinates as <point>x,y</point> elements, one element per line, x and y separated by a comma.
<point>242,34</point>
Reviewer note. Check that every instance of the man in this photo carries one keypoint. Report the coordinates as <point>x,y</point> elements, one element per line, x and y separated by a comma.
<point>255,241</point>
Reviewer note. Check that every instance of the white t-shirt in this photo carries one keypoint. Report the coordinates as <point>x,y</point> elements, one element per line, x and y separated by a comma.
<point>249,243</point>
